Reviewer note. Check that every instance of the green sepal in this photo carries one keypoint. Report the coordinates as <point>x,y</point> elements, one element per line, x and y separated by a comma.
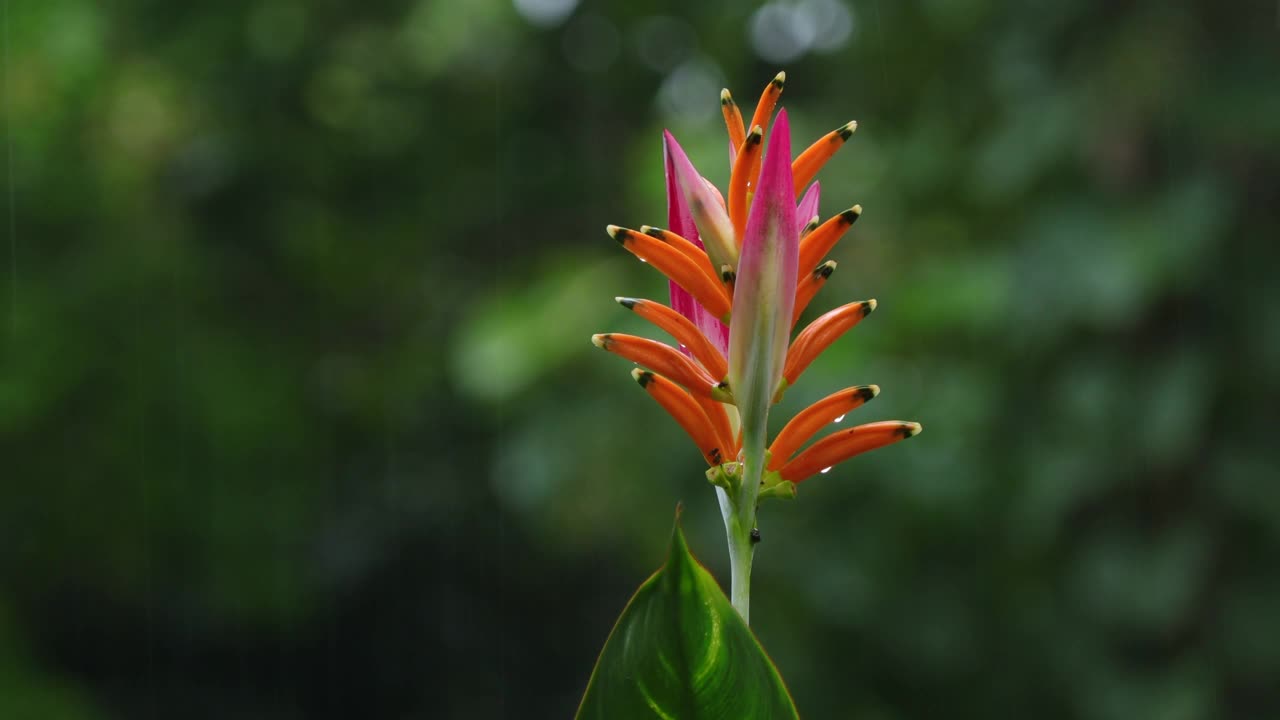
<point>727,476</point>
<point>722,392</point>
<point>680,650</point>
<point>783,490</point>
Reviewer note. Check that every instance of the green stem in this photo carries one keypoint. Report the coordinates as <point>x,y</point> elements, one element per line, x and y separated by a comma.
<point>739,510</point>
<point>741,550</point>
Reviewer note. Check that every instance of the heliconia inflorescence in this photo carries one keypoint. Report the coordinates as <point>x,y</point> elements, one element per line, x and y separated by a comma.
<point>743,266</point>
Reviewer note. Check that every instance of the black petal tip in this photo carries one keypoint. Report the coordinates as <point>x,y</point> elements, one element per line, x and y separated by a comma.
<point>619,234</point>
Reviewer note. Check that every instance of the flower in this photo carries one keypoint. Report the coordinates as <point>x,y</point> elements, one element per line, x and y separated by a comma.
<point>743,266</point>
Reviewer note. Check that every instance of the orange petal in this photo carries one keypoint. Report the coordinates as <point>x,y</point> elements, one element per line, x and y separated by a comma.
<point>683,330</point>
<point>815,245</point>
<point>816,155</point>
<point>686,411</point>
<point>719,418</point>
<point>687,248</point>
<point>764,111</point>
<point>819,335</point>
<point>808,287</point>
<point>815,417</point>
<point>676,265</point>
<point>662,359</point>
<point>768,99</point>
<point>842,445</point>
<point>747,156</point>
<point>732,120</point>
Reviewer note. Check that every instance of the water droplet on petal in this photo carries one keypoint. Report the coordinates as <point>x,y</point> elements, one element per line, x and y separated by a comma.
<point>826,470</point>
<point>838,419</point>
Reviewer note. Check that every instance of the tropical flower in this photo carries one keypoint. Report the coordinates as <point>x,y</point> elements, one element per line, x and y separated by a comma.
<point>743,267</point>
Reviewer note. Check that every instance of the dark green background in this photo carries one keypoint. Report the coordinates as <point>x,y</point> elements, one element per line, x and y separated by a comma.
<point>300,417</point>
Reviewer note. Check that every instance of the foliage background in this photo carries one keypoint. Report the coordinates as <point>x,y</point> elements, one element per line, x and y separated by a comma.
<point>300,419</point>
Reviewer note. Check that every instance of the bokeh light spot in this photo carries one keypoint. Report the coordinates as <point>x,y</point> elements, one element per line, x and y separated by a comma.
<point>545,13</point>
<point>690,91</point>
<point>782,32</point>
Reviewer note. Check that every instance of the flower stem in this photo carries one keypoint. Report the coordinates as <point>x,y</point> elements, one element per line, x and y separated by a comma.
<point>738,507</point>
<point>741,550</point>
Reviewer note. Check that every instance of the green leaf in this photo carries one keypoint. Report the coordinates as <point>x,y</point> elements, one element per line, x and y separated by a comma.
<point>680,651</point>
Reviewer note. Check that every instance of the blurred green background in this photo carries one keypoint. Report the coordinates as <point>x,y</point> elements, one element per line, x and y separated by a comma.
<point>300,418</point>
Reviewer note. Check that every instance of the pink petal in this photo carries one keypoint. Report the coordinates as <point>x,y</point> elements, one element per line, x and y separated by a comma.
<point>808,205</point>
<point>766,284</point>
<point>680,222</point>
<point>705,207</point>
